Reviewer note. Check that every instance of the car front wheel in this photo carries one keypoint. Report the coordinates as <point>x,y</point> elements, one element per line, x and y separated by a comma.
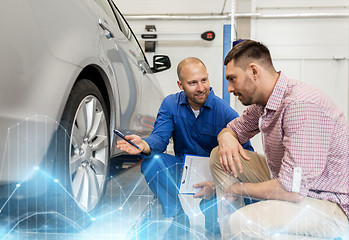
<point>86,150</point>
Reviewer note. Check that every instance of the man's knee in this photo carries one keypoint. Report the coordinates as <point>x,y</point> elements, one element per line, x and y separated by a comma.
<point>160,163</point>
<point>150,165</point>
<point>240,226</point>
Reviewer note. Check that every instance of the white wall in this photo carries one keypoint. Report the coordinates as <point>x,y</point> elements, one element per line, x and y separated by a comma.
<point>210,52</point>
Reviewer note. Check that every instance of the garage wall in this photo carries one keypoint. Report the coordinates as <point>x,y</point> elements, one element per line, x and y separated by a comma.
<point>183,40</point>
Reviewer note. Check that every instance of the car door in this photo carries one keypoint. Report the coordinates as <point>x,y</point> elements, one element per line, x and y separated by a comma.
<point>152,95</point>
<point>119,54</point>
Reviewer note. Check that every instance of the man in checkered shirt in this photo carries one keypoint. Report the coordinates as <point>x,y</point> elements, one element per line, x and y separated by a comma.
<point>303,179</point>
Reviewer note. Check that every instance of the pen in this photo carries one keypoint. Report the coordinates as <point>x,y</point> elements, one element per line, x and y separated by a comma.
<point>120,134</point>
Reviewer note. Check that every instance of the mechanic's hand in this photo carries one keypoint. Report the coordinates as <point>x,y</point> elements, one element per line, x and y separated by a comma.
<point>126,147</point>
<point>207,190</point>
<point>229,151</point>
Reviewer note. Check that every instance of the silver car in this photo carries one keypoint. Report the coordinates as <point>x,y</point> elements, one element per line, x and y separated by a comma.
<point>71,71</point>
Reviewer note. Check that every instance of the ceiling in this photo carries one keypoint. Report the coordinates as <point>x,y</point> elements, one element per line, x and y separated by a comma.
<point>174,7</point>
<point>223,7</point>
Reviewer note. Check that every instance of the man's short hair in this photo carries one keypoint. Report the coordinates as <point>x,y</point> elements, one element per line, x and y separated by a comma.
<point>248,51</point>
<point>188,60</point>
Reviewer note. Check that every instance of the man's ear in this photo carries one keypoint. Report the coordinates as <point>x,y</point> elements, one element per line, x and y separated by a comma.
<point>180,85</point>
<point>254,70</point>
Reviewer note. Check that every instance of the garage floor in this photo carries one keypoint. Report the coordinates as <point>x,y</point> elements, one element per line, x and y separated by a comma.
<point>128,211</point>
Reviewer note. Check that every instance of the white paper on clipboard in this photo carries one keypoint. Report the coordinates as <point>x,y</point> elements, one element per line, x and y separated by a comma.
<point>195,170</point>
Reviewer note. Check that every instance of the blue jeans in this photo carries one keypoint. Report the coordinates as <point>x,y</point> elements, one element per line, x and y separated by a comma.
<point>162,173</point>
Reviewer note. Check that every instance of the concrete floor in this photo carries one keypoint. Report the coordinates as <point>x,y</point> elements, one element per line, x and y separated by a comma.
<point>128,211</point>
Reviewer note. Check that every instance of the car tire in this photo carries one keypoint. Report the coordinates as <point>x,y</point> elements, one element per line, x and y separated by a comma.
<point>83,154</point>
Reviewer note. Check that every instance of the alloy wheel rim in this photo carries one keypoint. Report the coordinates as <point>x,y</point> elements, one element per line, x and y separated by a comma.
<point>88,154</point>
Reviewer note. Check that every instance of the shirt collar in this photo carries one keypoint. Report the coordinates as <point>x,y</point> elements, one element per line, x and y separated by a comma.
<point>209,101</point>
<point>276,96</point>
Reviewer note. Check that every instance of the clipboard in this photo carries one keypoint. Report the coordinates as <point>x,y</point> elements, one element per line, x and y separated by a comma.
<point>195,170</point>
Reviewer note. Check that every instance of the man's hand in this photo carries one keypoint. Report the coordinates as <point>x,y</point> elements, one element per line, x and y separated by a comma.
<point>229,151</point>
<point>207,190</point>
<point>126,147</point>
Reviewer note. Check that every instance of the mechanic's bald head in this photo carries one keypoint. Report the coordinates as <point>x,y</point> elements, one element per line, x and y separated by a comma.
<point>186,62</point>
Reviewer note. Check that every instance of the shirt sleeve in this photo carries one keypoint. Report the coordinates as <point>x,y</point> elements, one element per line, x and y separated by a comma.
<point>307,138</point>
<point>162,132</point>
<point>246,126</point>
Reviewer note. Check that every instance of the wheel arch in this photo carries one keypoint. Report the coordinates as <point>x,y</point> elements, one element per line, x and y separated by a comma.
<point>103,83</point>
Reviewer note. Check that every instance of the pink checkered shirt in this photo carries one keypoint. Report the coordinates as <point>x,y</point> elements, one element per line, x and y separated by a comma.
<point>301,127</point>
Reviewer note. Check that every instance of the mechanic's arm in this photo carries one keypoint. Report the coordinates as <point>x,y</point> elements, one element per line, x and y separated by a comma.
<point>270,190</point>
<point>159,138</point>
<point>229,151</point>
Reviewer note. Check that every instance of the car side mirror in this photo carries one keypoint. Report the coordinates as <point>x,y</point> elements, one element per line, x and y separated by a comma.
<point>161,63</point>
